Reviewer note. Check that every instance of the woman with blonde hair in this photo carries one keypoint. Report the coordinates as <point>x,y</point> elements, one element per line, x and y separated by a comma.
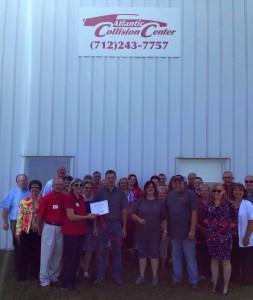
<point>219,215</point>
<point>74,229</point>
<point>129,240</point>
<point>90,240</point>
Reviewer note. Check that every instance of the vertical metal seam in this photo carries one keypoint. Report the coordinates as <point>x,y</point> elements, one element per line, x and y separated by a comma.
<point>220,82</point>
<point>208,81</point>
<point>14,83</point>
<point>181,96</point>
<point>53,84</point>
<point>247,84</point>
<point>194,82</point>
<point>233,96</point>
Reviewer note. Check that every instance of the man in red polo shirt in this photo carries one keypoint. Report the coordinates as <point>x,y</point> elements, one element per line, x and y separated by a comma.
<point>96,180</point>
<point>228,184</point>
<point>51,211</point>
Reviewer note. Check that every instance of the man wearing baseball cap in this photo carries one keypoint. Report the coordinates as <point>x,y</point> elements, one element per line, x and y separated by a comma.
<point>183,205</point>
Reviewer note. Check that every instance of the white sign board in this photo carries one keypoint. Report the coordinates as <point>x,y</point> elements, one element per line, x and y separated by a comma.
<point>99,208</point>
<point>129,31</point>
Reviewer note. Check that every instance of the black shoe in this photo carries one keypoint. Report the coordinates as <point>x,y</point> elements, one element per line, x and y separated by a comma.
<point>174,284</point>
<point>69,288</point>
<point>245,285</point>
<point>98,280</point>
<point>55,284</point>
<point>118,281</point>
<point>195,287</point>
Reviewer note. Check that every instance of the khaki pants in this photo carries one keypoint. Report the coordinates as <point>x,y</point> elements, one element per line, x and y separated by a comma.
<point>51,254</point>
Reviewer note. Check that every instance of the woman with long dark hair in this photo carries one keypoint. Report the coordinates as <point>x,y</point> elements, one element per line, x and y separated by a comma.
<point>150,216</point>
<point>133,185</point>
<point>241,258</point>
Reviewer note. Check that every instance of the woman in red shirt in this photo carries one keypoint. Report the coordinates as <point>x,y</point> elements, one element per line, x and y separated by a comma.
<point>74,229</point>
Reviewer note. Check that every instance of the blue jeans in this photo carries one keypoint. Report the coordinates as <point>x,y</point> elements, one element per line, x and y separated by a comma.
<point>115,230</point>
<point>188,248</point>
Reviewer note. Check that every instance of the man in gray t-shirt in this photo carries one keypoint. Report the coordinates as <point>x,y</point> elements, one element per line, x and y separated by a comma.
<point>183,207</point>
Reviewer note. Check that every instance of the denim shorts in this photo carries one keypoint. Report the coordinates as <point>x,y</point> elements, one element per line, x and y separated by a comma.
<point>164,248</point>
<point>148,249</point>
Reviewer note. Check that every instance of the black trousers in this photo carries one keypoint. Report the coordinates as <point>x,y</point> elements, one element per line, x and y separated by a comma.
<point>73,246</point>
<point>129,240</point>
<point>241,262</point>
<point>203,259</point>
<point>15,244</point>
<point>29,262</point>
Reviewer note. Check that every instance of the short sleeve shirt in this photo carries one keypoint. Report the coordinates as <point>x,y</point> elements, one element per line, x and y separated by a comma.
<point>74,227</point>
<point>180,207</point>
<point>153,211</point>
<point>11,201</point>
<point>117,200</point>
<point>51,207</point>
<point>245,215</point>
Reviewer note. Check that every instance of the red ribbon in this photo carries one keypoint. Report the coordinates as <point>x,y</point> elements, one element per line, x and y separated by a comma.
<point>107,232</point>
<point>225,222</point>
<point>226,225</point>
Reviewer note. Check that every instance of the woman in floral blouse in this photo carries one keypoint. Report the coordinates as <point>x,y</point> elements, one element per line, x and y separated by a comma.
<point>27,234</point>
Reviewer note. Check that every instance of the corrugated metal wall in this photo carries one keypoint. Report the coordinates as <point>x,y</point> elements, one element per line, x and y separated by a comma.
<point>128,114</point>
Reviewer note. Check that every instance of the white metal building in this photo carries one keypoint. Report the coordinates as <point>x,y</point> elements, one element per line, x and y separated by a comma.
<point>134,115</point>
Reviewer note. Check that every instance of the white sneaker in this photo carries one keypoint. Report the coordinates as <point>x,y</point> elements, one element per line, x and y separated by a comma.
<point>86,275</point>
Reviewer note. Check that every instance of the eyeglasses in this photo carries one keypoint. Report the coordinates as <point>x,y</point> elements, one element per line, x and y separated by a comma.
<point>35,187</point>
<point>248,181</point>
<point>150,187</point>
<point>88,188</point>
<point>217,191</point>
<point>227,177</point>
<point>76,184</point>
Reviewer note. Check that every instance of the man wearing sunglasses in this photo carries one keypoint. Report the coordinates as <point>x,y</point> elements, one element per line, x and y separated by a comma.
<point>249,187</point>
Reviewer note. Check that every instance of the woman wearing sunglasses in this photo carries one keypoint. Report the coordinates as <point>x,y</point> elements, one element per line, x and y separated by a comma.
<point>74,230</point>
<point>219,215</point>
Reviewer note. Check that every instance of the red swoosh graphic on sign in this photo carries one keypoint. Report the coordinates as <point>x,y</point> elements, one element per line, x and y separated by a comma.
<point>113,18</point>
<point>107,18</point>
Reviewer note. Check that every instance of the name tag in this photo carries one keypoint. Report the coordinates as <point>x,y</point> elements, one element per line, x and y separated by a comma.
<point>55,206</point>
<point>77,205</point>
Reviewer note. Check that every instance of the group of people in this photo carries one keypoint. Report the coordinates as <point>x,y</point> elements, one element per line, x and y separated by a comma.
<point>207,225</point>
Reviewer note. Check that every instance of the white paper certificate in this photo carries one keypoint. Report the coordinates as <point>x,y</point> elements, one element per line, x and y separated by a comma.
<point>99,208</point>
